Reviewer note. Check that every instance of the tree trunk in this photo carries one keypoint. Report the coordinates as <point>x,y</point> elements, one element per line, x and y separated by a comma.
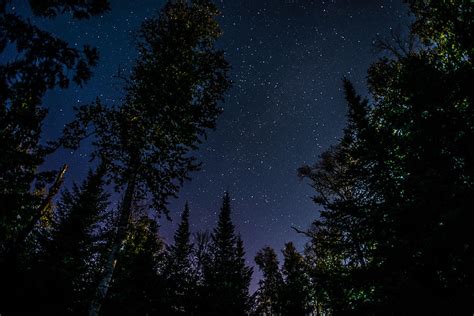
<point>120,235</point>
<point>40,212</point>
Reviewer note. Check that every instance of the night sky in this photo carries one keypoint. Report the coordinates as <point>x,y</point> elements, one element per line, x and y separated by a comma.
<point>286,106</point>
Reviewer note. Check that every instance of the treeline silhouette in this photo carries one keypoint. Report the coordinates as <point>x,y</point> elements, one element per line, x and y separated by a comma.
<point>395,234</point>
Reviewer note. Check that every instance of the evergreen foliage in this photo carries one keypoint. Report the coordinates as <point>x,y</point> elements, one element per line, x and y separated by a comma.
<point>180,273</point>
<point>396,230</point>
<point>226,276</point>
<point>287,290</point>
<point>67,263</point>
<point>394,236</point>
<point>296,290</point>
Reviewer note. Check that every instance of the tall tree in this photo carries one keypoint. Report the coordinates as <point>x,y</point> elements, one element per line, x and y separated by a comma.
<point>172,100</point>
<point>179,271</point>
<point>339,249</point>
<point>270,287</point>
<point>226,277</point>
<point>396,207</point>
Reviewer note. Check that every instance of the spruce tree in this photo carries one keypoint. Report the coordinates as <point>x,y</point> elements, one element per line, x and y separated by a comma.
<point>68,262</point>
<point>180,275</point>
<point>243,276</point>
<point>226,277</point>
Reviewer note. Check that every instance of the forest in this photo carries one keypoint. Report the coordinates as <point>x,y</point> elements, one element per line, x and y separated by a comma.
<point>394,235</point>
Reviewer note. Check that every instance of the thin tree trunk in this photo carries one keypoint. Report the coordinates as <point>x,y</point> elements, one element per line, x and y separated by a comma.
<point>41,211</point>
<point>120,235</point>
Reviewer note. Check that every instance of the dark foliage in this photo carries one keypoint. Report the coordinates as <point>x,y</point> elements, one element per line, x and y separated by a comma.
<point>286,290</point>
<point>226,276</point>
<point>66,261</point>
<point>180,273</point>
<point>42,62</point>
<point>396,233</point>
<point>172,100</point>
<point>137,287</point>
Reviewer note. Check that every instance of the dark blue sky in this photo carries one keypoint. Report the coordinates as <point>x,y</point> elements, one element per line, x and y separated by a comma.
<point>285,108</point>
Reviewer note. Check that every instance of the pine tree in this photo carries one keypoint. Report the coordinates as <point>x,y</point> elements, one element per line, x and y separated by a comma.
<point>68,264</point>
<point>270,287</point>
<point>179,272</point>
<point>226,277</point>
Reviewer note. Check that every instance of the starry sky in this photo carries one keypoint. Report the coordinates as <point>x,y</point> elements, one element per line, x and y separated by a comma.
<point>286,105</point>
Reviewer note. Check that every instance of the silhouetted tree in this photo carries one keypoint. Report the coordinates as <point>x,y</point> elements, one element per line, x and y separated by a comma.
<point>396,219</point>
<point>339,249</point>
<point>226,277</point>
<point>137,283</point>
<point>66,266</point>
<point>172,100</point>
<point>243,276</point>
<point>296,290</point>
<point>270,287</point>
<point>42,62</point>
<point>179,271</point>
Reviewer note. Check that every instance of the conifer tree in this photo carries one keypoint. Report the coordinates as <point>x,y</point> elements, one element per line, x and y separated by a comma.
<point>68,261</point>
<point>179,272</point>
<point>243,276</point>
<point>42,62</point>
<point>226,277</point>
<point>396,222</point>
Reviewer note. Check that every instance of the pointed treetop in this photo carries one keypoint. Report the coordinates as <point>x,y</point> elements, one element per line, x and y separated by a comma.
<point>182,246</point>
<point>185,218</point>
<point>225,227</point>
<point>240,250</point>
